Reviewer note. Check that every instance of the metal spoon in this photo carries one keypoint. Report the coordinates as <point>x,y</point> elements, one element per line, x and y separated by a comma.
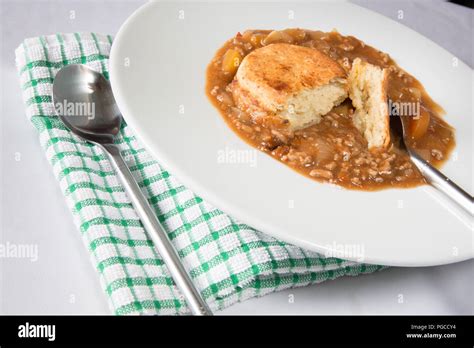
<point>84,101</point>
<point>432,175</point>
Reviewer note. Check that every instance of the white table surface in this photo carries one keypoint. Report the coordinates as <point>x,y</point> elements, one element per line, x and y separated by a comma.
<point>33,210</point>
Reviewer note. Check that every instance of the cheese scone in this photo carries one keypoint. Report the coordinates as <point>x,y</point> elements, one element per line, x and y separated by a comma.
<point>368,92</point>
<point>297,84</point>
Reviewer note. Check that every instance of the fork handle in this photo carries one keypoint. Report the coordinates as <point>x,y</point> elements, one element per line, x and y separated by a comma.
<point>156,232</point>
<point>443,183</point>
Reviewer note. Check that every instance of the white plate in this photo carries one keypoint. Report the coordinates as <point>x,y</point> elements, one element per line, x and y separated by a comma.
<point>157,70</point>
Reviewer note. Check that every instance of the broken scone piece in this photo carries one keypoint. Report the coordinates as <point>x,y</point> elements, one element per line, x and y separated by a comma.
<point>368,92</point>
<point>295,83</point>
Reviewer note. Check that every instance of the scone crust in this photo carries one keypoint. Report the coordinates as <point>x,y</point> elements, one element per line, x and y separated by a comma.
<point>270,75</point>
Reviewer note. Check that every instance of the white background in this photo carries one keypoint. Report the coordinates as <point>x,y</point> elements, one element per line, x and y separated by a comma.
<point>33,210</point>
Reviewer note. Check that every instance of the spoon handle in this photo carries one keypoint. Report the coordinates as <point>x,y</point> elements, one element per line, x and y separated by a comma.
<point>156,233</point>
<point>443,183</point>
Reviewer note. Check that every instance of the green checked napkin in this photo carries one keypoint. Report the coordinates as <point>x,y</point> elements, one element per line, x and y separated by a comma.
<point>228,260</point>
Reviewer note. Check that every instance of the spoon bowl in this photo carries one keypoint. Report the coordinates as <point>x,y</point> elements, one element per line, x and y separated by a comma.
<point>432,175</point>
<point>84,101</point>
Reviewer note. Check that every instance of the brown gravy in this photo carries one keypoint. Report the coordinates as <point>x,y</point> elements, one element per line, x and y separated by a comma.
<point>334,150</point>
